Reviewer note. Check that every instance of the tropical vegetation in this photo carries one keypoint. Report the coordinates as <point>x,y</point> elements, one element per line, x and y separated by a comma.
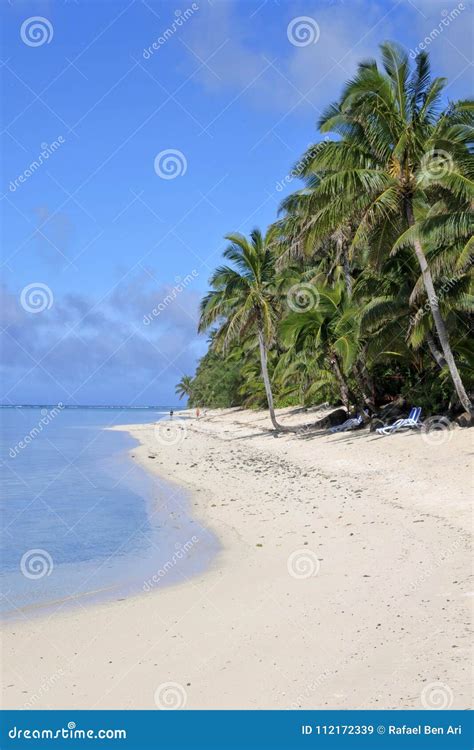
<point>360,293</point>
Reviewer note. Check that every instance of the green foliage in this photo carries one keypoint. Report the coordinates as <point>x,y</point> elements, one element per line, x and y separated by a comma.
<point>216,383</point>
<point>184,387</point>
<point>384,214</point>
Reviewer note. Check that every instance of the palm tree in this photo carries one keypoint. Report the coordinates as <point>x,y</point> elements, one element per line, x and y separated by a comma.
<point>243,300</point>
<point>330,331</point>
<point>397,157</point>
<point>184,387</point>
<point>296,240</point>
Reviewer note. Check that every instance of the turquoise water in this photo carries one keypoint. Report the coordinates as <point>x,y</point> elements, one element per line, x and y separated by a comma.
<point>81,521</point>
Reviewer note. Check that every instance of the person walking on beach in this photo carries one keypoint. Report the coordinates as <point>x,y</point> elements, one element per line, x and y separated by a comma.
<point>171,413</point>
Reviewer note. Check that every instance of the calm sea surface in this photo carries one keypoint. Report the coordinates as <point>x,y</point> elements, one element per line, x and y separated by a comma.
<point>80,521</point>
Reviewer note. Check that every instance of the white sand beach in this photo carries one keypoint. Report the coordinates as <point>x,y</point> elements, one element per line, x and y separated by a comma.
<point>343,580</point>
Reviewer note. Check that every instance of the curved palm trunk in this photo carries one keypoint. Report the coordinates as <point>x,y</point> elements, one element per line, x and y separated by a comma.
<point>437,317</point>
<point>266,380</point>
<point>359,370</point>
<point>435,352</point>
<point>343,387</point>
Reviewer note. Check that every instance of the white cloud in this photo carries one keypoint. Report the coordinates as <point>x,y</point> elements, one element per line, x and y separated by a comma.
<point>270,72</point>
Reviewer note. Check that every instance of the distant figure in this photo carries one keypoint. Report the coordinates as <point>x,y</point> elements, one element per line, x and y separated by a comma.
<point>198,413</point>
<point>171,413</point>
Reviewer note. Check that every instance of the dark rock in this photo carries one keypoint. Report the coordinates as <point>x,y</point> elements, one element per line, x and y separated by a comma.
<point>333,419</point>
<point>465,419</point>
<point>375,424</point>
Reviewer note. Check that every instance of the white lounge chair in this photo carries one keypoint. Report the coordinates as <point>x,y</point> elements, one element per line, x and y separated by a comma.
<point>349,424</point>
<point>410,422</point>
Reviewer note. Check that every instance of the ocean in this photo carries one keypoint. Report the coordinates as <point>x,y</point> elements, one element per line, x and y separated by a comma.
<point>80,521</point>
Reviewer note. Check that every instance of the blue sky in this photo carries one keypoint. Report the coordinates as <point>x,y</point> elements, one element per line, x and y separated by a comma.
<point>102,227</point>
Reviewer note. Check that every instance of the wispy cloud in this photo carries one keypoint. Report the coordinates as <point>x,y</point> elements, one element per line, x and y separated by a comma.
<point>310,75</point>
<point>81,349</point>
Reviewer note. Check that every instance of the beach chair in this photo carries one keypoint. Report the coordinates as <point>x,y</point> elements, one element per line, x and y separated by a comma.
<point>410,422</point>
<point>349,424</point>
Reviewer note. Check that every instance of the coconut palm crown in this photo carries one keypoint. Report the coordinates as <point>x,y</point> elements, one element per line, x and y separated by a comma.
<point>401,165</point>
<point>242,299</point>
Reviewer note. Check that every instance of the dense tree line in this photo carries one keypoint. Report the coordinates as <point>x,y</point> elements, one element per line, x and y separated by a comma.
<point>361,291</point>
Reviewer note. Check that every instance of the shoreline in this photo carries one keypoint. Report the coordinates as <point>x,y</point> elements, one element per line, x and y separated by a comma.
<point>341,581</point>
<point>167,516</point>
